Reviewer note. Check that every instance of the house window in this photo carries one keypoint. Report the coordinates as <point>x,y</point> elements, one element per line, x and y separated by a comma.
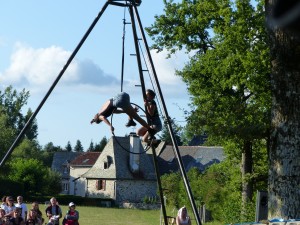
<point>65,187</point>
<point>105,165</point>
<point>100,185</point>
<point>65,169</point>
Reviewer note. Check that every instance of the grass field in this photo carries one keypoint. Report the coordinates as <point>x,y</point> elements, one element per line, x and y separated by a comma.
<point>114,216</point>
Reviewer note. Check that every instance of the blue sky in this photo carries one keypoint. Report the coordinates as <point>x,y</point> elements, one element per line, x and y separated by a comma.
<point>36,40</point>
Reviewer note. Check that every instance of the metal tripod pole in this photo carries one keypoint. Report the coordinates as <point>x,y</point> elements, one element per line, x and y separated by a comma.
<point>175,145</point>
<point>32,117</point>
<point>144,95</point>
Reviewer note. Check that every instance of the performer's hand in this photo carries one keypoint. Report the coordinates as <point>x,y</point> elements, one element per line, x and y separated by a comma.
<point>136,109</point>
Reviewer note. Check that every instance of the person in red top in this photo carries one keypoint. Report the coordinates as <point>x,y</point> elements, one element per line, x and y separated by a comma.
<point>72,215</point>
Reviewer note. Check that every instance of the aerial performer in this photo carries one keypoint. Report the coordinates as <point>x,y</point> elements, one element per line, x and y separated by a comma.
<point>120,104</point>
<point>152,115</point>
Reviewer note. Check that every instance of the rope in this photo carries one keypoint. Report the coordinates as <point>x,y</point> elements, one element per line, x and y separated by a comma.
<point>123,48</point>
<point>113,133</point>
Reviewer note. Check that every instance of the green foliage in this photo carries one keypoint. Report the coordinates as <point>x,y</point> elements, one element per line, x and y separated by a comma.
<point>219,187</point>
<point>11,105</point>
<point>99,147</point>
<point>228,78</point>
<point>78,147</point>
<point>68,147</point>
<point>36,178</point>
<point>165,134</point>
<point>8,187</point>
<point>50,147</point>
<point>91,147</point>
<point>170,184</point>
<point>7,134</point>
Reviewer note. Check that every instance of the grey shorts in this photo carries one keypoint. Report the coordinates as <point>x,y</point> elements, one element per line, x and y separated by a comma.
<point>156,124</point>
<point>122,101</point>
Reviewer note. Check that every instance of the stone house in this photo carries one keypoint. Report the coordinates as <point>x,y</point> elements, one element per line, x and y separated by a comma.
<point>121,176</point>
<point>80,165</point>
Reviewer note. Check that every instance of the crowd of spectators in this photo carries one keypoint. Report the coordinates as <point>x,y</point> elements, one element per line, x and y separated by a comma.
<point>16,213</point>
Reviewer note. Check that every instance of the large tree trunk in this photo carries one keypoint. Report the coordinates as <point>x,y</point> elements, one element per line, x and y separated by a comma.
<point>284,155</point>
<point>246,170</point>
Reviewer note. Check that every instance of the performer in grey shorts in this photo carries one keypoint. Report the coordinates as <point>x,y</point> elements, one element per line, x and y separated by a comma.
<point>119,104</point>
<point>121,100</point>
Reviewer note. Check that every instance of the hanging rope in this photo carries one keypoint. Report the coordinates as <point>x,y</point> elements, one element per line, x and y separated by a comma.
<point>123,48</point>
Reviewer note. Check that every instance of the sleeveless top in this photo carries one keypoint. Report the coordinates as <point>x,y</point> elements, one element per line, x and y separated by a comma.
<point>108,111</point>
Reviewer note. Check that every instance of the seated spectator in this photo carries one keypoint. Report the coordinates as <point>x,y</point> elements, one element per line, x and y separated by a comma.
<point>53,212</point>
<point>33,218</point>
<point>35,206</point>
<point>72,215</point>
<point>9,207</point>
<point>2,216</point>
<point>3,203</point>
<point>20,204</point>
<point>17,219</point>
<point>7,221</point>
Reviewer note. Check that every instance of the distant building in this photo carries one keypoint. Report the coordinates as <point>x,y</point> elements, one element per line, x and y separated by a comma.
<point>200,157</point>
<point>61,164</point>
<point>80,165</point>
<point>121,176</point>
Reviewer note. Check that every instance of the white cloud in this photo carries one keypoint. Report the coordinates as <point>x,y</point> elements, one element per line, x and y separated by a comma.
<point>34,66</point>
<point>38,68</point>
<point>165,68</point>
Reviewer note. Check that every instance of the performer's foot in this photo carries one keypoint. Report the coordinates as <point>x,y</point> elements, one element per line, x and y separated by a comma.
<point>130,123</point>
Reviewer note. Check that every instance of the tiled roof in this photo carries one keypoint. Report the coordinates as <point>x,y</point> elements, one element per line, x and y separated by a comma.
<point>63,158</point>
<point>192,156</point>
<point>86,159</point>
<point>115,156</point>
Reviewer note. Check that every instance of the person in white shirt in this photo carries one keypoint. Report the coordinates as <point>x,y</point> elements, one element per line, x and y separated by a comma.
<point>20,204</point>
<point>182,217</point>
<point>9,207</point>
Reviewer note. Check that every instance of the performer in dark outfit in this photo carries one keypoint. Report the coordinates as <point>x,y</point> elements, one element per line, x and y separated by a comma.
<point>119,104</point>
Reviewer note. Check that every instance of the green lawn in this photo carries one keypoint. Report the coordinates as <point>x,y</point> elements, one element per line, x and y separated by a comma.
<point>115,216</point>
<point>112,216</point>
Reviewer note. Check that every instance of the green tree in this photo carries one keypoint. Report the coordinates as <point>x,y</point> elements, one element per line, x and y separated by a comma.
<point>50,147</point>
<point>165,134</point>
<point>12,103</point>
<point>228,76</point>
<point>7,134</point>
<point>91,147</point>
<point>36,178</point>
<point>12,120</point>
<point>27,149</point>
<point>68,147</point>
<point>99,147</point>
<point>78,147</point>
<point>170,185</point>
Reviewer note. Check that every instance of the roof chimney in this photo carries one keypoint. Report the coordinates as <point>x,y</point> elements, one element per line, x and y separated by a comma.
<point>134,159</point>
